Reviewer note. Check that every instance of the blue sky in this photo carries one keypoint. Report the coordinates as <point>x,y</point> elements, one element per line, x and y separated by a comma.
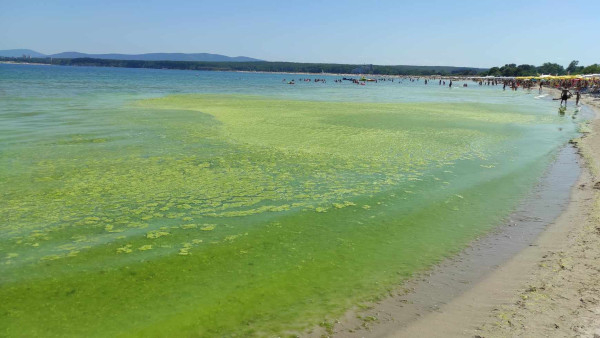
<point>455,33</point>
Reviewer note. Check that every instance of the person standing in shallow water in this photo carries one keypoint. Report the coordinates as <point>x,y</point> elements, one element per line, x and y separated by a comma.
<point>577,98</point>
<point>450,85</point>
<point>564,96</point>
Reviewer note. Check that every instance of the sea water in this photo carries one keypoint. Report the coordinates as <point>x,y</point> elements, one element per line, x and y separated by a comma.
<point>142,202</point>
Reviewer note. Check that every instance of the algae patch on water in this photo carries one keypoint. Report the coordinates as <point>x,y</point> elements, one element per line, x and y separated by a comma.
<point>210,214</point>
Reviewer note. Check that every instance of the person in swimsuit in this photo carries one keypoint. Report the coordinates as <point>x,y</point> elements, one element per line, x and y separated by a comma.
<point>564,96</point>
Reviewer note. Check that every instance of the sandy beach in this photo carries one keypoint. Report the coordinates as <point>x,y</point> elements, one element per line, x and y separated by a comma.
<point>559,296</point>
<point>548,287</point>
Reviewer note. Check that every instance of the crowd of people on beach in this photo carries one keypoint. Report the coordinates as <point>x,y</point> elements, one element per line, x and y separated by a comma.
<point>568,85</point>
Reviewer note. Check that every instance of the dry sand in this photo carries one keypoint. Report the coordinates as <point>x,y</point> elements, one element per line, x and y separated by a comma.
<point>549,289</point>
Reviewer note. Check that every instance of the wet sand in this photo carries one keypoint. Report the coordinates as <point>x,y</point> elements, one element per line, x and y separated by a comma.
<point>561,294</point>
<point>536,276</point>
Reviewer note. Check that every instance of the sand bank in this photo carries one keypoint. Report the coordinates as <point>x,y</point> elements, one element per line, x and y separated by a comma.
<point>514,283</point>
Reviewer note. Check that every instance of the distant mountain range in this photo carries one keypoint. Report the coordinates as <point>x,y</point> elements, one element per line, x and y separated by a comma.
<point>141,57</point>
<point>17,53</point>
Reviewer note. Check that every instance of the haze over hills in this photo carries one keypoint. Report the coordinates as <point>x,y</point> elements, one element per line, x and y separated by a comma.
<point>141,57</point>
<point>17,53</point>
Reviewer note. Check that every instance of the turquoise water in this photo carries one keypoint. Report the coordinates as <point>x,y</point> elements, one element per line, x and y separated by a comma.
<point>142,202</point>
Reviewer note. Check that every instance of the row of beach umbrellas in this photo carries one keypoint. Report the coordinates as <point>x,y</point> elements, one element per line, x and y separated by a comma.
<point>560,77</point>
<point>541,77</point>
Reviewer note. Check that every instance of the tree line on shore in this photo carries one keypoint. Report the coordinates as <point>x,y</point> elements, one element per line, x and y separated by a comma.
<point>547,68</point>
<point>315,68</point>
<point>260,66</point>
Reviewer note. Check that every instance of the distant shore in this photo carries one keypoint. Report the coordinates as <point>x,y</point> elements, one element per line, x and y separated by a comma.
<point>549,288</point>
<point>312,69</point>
<point>312,75</point>
<point>24,63</point>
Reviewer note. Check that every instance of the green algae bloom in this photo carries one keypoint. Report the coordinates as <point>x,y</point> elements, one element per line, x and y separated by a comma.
<point>232,215</point>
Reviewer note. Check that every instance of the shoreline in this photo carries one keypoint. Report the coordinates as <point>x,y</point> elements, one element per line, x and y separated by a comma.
<point>562,294</point>
<point>24,63</point>
<point>517,296</point>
